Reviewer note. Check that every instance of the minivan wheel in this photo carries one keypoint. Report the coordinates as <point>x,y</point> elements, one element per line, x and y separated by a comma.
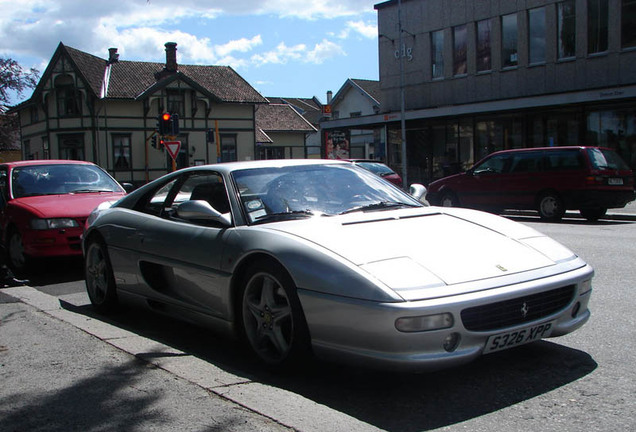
<point>593,214</point>
<point>550,207</point>
<point>448,199</point>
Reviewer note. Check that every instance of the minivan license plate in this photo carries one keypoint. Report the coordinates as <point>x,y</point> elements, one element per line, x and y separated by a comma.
<point>615,181</point>
<point>511,339</point>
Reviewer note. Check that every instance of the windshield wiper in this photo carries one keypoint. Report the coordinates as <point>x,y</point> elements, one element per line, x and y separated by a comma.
<point>292,214</point>
<point>90,190</point>
<point>381,205</point>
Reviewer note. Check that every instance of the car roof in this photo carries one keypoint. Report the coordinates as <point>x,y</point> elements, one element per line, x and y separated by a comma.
<point>45,162</point>
<point>555,148</point>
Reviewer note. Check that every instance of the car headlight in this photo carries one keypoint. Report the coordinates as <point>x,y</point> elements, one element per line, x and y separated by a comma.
<point>58,223</point>
<point>550,248</point>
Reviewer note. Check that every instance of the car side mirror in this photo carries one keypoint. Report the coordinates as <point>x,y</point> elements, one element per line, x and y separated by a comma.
<point>417,191</point>
<point>202,210</point>
<point>128,187</point>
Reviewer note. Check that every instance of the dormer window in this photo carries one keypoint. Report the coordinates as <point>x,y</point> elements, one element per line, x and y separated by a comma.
<point>68,98</point>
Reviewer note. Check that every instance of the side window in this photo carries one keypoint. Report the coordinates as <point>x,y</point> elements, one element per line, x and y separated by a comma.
<point>525,162</point>
<point>158,201</point>
<point>565,160</point>
<point>495,165</point>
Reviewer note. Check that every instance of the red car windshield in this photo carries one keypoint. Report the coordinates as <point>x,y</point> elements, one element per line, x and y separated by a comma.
<point>60,179</point>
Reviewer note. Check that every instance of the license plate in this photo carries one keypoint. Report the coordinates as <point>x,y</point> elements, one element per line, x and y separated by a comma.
<point>515,338</point>
<point>615,181</point>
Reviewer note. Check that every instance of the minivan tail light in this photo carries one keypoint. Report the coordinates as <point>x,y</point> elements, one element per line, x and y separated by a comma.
<point>594,180</point>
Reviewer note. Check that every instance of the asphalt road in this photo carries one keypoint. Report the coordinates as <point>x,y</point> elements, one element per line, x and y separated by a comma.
<point>61,365</point>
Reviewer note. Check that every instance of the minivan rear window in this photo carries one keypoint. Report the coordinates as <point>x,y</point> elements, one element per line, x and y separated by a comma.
<point>603,159</point>
<point>566,159</point>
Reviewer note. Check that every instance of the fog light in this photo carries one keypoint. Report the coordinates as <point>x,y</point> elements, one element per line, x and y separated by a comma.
<point>452,342</point>
<point>576,309</point>
<point>424,323</point>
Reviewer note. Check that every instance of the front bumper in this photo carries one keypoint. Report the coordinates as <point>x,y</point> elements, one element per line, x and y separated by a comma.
<point>52,243</point>
<point>361,332</point>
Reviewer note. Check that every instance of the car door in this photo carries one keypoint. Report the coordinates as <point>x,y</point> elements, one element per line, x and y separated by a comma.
<point>483,184</point>
<point>180,259</point>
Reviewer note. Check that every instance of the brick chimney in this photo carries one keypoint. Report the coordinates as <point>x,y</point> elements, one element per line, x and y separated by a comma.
<point>171,56</point>
<point>113,57</point>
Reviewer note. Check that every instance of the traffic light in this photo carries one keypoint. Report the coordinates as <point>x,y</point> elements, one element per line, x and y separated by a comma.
<point>153,141</point>
<point>164,124</point>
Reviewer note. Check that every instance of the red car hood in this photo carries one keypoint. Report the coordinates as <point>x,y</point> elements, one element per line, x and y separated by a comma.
<point>65,205</point>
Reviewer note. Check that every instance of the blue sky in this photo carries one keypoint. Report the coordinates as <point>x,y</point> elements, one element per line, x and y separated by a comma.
<point>288,48</point>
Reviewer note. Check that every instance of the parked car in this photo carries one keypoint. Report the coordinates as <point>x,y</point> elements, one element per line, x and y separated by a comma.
<point>44,205</point>
<point>300,256</point>
<point>378,168</point>
<point>550,180</point>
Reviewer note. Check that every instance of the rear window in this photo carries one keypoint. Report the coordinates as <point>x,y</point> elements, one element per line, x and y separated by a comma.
<point>603,159</point>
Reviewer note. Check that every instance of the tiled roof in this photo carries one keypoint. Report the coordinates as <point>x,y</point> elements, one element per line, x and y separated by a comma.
<point>309,108</point>
<point>131,79</point>
<point>371,87</point>
<point>281,118</point>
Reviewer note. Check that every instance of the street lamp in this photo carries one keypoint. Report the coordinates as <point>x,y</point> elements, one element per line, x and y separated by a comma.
<point>402,102</point>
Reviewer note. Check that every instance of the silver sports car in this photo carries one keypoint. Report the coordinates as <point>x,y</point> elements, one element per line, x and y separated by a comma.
<point>323,257</point>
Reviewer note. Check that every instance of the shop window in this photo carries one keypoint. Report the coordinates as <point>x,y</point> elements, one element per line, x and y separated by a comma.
<point>437,54</point>
<point>121,149</point>
<point>597,21</point>
<point>484,50</point>
<point>459,50</point>
<point>509,55</point>
<point>566,29</point>
<point>536,28</point>
<point>628,24</point>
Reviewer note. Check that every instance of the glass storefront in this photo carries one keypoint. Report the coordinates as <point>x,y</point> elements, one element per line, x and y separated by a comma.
<point>437,148</point>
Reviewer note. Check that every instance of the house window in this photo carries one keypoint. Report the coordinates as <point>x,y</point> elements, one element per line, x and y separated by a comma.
<point>176,102</point>
<point>355,114</point>
<point>437,53</point>
<point>459,50</point>
<point>566,29</point>
<point>484,56</point>
<point>67,101</point>
<point>228,148</point>
<point>35,115</point>
<point>72,146</point>
<point>510,56</point>
<point>628,24</point>
<point>597,19</point>
<point>121,152</point>
<point>536,24</point>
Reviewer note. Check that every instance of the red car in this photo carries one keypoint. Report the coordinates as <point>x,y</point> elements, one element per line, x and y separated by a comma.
<point>378,168</point>
<point>550,180</point>
<point>44,205</point>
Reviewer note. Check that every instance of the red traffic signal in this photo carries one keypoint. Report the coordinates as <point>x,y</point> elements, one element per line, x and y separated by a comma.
<point>165,124</point>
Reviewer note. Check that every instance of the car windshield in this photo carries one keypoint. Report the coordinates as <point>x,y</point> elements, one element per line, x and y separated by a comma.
<point>57,179</point>
<point>290,192</point>
<point>606,159</point>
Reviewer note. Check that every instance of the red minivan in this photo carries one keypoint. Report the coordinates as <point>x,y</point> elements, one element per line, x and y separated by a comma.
<point>550,180</point>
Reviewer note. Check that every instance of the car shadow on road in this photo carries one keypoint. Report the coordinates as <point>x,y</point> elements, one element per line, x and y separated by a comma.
<point>387,400</point>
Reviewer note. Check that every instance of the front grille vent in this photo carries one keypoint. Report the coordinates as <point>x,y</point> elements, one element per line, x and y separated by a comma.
<point>517,311</point>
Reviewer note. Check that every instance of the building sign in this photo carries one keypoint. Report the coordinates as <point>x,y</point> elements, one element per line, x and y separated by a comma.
<point>337,144</point>
<point>326,111</point>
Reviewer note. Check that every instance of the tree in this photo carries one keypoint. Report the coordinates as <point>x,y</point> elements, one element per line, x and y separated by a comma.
<point>13,81</point>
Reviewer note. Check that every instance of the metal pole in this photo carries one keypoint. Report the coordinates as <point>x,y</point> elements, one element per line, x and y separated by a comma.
<point>402,51</point>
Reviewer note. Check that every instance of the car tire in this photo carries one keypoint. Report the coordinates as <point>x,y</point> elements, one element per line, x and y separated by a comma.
<point>550,207</point>
<point>271,317</point>
<point>18,261</point>
<point>448,199</point>
<point>593,214</point>
<point>100,281</point>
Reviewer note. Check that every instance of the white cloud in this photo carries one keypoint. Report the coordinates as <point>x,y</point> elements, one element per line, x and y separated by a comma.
<point>281,55</point>
<point>325,50</point>
<point>367,29</point>
<point>240,45</point>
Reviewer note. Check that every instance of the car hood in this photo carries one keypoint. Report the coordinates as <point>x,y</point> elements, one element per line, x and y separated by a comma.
<point>78,205</point>
<point>416,249</point>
